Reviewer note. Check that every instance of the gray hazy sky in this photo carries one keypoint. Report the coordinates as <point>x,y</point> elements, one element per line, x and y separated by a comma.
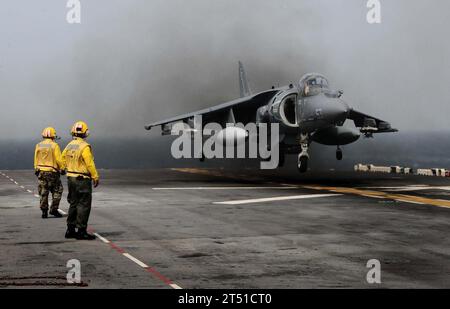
<point>135,61</point>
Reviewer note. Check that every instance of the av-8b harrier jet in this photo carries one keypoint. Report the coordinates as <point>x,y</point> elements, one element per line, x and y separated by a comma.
<point>307,112</point>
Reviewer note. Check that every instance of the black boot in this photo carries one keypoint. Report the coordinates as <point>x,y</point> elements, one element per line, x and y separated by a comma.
<point>56,213</point>
<point>71,233</point>
<point>84,235</point>
<point>44,214</point>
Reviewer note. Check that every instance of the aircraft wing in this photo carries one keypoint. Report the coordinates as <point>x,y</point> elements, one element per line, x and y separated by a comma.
<point>242,110</point>
<point>369,124</point>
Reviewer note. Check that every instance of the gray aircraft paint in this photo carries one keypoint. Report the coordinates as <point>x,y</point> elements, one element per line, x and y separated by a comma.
<point>306,112</point>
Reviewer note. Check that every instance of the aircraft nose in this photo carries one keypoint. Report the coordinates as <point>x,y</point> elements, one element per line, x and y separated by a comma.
<point>336,111</point>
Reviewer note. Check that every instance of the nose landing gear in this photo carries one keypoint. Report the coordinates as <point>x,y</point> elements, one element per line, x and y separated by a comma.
<point>339,154</point>
<point>303,157</point>
<point>302,163</point>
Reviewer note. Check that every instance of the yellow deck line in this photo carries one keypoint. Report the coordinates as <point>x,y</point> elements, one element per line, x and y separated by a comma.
<point>215,173</point>
<point>345,190</point>
<point>198,171</point>
<point>379,194</point>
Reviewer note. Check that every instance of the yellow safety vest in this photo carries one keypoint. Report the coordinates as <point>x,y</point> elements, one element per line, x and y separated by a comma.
<point>45,156</point>
<point>74,159</point>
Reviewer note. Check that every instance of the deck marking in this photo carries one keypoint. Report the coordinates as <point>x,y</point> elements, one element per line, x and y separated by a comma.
<point>175,286</point>
<point>412,202</point>
<point>378,194</point>
<point>372,196</point>
<point>216,173</point>
<point>136,261</point>
<point>115,247</point>
<point>149,269</point>
<point>140,263</point>
<point>409,188</point>
<point>226,188</point>
<point>347,190</point>
<point>278,198</point>
<point>106,241</point>
<point>159,275</point>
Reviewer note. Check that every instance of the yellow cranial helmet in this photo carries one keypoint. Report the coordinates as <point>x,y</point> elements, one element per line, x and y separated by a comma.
<point>49,132</point>
<point>80,128</point>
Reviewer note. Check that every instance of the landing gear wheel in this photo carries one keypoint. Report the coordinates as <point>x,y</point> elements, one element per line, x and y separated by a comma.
<point>339,154</point>
<point>303,157</point>
<point>302,164</point>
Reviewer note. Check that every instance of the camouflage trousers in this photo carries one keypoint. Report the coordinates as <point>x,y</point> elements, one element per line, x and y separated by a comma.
<point>50,182</point>
<point>80,200</point>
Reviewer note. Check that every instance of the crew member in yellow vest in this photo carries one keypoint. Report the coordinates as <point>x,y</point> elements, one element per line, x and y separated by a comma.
<point>81,175</point>
<point>48,165</point>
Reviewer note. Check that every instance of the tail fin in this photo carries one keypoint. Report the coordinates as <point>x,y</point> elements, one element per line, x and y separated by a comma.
<point>243,82</point>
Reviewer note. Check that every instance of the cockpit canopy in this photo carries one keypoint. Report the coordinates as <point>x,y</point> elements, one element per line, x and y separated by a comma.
<point>313,84</point>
